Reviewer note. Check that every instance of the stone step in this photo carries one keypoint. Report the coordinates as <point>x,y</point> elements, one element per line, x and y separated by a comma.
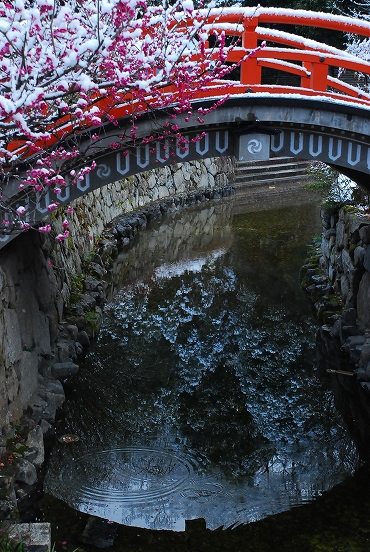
<point>36,536</point>
<point>277,169</point>
<point>270,164</point>
<point>254,167</point>
<point>274,160</point>
<point>270,175</point>
<point>246,183</point>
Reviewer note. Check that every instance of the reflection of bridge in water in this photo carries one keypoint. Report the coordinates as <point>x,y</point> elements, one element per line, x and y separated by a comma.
<point>321,118</point>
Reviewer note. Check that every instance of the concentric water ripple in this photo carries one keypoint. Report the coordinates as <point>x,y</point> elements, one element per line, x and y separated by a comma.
<point>126,474</point>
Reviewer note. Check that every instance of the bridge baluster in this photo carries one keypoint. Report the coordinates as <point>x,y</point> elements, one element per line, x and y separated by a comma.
<point>319,76</point>
<point>250,71</point>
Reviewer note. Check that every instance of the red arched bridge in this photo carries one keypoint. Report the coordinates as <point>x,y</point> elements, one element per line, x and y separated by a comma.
<point>315,113</point>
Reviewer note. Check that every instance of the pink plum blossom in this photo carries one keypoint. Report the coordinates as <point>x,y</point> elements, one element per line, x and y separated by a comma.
<point>44,229</point>
<point>68,68</point>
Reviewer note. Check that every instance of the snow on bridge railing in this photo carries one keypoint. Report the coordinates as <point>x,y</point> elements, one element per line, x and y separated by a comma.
<point>311,60</point>
<point>317,67</point>
<point>308,59</point>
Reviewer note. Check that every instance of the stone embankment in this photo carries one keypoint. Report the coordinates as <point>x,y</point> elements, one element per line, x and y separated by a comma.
<point>337,277</point>
<point>51,305</point>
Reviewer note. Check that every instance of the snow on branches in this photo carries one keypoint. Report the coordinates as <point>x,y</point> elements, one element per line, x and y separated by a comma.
<point>66,64</point>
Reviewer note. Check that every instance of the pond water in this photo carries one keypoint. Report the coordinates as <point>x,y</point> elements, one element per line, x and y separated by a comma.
<point>201,398</point>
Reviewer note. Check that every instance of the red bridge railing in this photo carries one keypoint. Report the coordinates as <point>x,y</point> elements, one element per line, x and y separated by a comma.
<point>316,64</point>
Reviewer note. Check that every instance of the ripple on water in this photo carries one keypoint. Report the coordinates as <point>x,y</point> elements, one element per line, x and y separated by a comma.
<point>127,474</point>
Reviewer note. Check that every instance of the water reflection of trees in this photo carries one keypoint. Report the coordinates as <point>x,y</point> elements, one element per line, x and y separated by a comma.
<point>214,418</point>
<point>213,354</point>
<point>352,401</point>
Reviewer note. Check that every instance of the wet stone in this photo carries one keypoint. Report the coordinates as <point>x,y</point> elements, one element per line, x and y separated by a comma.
<point>362,375</point>
<point>7,477</point>
<point>26,472</point>
<point>97,271</point>
<point>364,233</point>
<point>30,454</point>
<point>7,506</point>
<point>349,317</point>
<point>348,331</point>
<point>47,429</point>
<point>358,256</point>
<point>99,532</point>
<point>21,493</point>
<point>36,407</point>
<point>79,350</point>
<point>35,441</point>
<point>318,279</point>
<point>65,369</point>
<point>92,284</point>
<point>83,339</point>
<point>87,301</point>
<point>72,330</point>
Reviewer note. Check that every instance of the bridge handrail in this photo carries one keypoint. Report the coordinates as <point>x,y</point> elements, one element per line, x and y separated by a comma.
<point>308,59</point>
<point>280,37</point>
<point>250,16</point>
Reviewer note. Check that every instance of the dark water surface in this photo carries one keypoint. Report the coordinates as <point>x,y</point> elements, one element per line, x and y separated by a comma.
<point>201,398</point>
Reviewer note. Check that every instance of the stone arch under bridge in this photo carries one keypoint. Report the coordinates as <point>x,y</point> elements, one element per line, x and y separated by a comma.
<point>249,127</point>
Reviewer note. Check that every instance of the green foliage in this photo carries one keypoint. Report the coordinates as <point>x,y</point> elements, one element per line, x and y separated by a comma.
<point>334,187</point>
<point>77,287</point>
<point>362,197</point>
<point>322,179</point>
<point>7,544</point>
<point>92,326</point>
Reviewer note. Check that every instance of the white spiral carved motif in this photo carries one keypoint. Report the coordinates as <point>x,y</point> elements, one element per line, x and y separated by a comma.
<point>254,146</point>
<point>103,171</point>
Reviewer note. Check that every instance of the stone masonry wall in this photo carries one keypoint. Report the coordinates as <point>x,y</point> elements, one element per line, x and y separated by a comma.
<point>37,276</point>
<point>340,284</point>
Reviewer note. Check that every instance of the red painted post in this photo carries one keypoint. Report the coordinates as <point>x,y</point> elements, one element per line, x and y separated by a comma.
<point>319,76</point>
<point>250,72</point>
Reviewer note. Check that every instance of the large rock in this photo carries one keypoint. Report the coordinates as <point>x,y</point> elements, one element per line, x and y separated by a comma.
<point>99,532</point>
<point>64,370</point>
<point>27,370</point>
<point>364,233</point>
<point>33,324</point>
<point>35,440</point>
<point>358,256</point>
<point>12,337</point>
<point>363,300</point>
<point>365,355</point>
<point>340,235</point>
<point>26,473</point>
<point>367,259</point>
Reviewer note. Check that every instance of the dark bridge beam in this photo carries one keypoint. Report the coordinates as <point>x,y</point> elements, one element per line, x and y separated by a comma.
<point>250,127</point>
